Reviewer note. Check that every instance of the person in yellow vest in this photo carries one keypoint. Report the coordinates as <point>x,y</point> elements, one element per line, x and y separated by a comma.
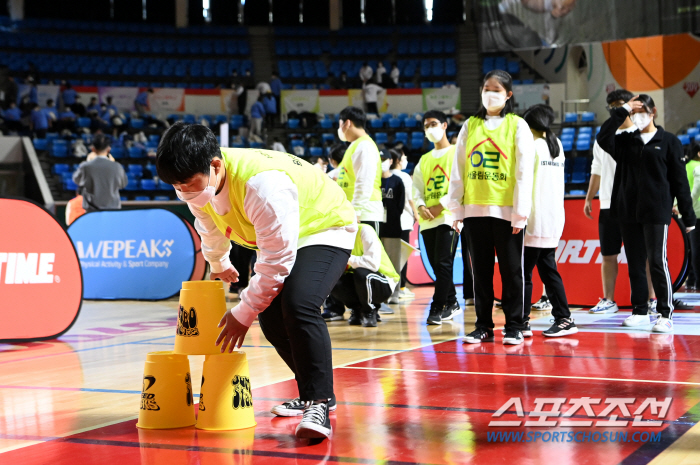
<point>302,228</point>
<point>369,280</point>
<point>360,172</point>
<point>491,188</point>
<point>693,170</point>
<point>431,178</point>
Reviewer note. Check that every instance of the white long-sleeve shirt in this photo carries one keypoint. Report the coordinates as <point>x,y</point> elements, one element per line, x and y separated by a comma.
<point>524,172</point>
<point>364,163</point>
<point>546,222</point>
<point>395,74</point>
<point>372,254</point>
<point>272,205</point>
<point>419,195</point>
<point>407,214</point>
<point>604,166</point>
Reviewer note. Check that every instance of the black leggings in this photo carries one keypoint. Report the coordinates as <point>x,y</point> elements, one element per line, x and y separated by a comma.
<point>293,323</point>
<point>440,247</point>
<point>362,290</point>
<point>546,264</point>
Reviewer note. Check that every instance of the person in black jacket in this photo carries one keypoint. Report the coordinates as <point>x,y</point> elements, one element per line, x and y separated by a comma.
<point>649,175</point>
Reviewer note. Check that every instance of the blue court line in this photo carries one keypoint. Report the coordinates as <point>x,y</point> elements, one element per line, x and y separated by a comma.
<point>566,356</point>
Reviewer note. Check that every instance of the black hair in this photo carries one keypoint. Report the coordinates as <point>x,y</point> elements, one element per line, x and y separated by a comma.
<point>93,98</point>
<point>69,85</point>
<point>354,114</point>
<point>185,150</point>
<point>506,81</point>
<point>694,149</point>
<point>150,90</point>
<point>396,156</point>
<point>109,99</point>
<point>437,114</point>
<point>619,94</point>
<point>49,102</point>
<point>101,142</point>
<point>648,102</point>
<point>336,152</point>
<point>540,118</point>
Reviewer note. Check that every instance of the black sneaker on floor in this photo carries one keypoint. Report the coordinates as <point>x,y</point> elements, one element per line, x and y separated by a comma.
<point>295,407</point>
<point>354,319</point>
<point>450,310</point>
<point>316,424</point>
<point>435,316</point>
<point>680,305</point>
<point>561,327</point>
<point>369,320</point>
<point>513,337</point>
<point>478,335</point>
<point>527,332</point>
<point>332,316</point>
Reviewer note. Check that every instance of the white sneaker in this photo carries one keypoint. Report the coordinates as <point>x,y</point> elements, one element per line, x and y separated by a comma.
<point>637,320</point>
<point>542,305</point>
<point>663,325</point>
<point>405,293</point>
<point>604,306</point>
<point>652,307</point>
<point>393,300</point>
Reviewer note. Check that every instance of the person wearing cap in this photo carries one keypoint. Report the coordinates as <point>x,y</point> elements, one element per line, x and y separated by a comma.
<point>303,229</point>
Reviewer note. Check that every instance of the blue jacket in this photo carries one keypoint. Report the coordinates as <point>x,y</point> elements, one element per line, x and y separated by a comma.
<point>257,110</point>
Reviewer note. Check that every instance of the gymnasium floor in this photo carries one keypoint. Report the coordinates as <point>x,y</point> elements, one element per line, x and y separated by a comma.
<point>407,393</point>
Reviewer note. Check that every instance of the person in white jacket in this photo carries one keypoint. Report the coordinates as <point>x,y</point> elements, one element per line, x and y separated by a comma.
<point>303,230</point>
<point>546,222</point>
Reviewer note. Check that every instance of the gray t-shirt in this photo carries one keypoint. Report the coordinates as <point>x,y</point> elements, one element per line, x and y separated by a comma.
<point>100,180</point>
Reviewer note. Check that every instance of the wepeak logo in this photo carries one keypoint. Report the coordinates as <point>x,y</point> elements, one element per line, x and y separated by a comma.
<point>113,249</point>
<point>30,268</point>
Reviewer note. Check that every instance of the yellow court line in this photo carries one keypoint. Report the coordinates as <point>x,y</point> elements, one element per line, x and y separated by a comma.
<point>523,375</point>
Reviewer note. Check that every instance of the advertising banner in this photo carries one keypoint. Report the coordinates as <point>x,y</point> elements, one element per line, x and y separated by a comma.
<point>300,101</point>
<point>134,254</point>
<point>578,260</point>
<point>167,100</point>
<point>41,285</point>
<point>443,99</point>
<point>122,97</point>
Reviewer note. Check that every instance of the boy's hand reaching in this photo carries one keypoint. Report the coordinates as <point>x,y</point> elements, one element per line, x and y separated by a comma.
<point>229,275</point>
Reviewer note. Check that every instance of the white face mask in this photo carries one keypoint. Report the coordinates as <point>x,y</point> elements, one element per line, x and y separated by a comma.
<point>404,163</point>
<point>200,199</point>
<point>641,120</point>
<point>341,134</point>
<point>386,164</point>
<point>493,101</point>
<point>435,134</point>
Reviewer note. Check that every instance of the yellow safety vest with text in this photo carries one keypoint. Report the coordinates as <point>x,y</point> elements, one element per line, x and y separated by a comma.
<point>385,267</point>
<point>436,177</point>
<point>346,175</point>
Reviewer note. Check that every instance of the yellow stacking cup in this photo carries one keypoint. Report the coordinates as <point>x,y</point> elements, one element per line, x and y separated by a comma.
<point>166,398</point>
<point>202,304</point>
<point>226,398</point>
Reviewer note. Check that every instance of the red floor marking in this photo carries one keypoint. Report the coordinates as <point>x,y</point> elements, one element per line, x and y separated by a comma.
<point>414,417</point>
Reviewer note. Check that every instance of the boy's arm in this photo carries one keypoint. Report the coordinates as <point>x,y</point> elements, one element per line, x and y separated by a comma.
<point>372,256</point>
<point>215,246</point>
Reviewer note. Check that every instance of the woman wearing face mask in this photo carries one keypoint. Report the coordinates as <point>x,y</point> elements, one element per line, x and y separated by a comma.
<point>394,199</point>
<point>431,180</point>
<point>546,222</point>
<point>491,188</point>
<point>410,215</point>
<point>649,175</point>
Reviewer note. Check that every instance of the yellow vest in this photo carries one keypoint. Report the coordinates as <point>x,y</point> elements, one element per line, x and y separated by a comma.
<point>489,170</point>
<point>321,204</point>
<point>436,177</point>
<point>346,175</point>
<point>385,266</point>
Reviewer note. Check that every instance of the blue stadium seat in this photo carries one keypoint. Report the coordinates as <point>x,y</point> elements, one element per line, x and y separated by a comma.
<point>84,122</point>
<point>40,144</point>
<point>316,151</point>
<point>59,151</point>
<point>570,118</point>
<point>401,137</point>
<point>568,144</point>
<point>143,198</point>
<point>117,152</point>
<point>381,137</point>
<point>394,123</point>
<point>132,185</point>
<point>685,139</point>
<point>583,144</point>
<point>376,123</point>
<point>410,123</point>
<point>161,198</point>
<point>326,123</point>
<point>692,132</point>
<point>136,152</point>
<point>137,123</point>
<point>148,185</point>
<point>587,117</point>
<point>293,124</point>
<point>60,168</point>
<point>328,138</point>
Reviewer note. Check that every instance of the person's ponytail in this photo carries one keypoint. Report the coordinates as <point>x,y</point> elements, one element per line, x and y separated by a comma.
<point>540,118</point>
<point>552,143</point>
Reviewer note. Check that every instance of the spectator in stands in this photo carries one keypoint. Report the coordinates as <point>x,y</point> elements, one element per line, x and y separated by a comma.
<point>141,102</point>
<point>263,88</point>
<point>270,104</point>
<point>276,86</point>
<point>242,96</point>
<point>233,79</point>
<point>94,106</point>
<point>112,108</point>
<point>370,92</point>
<point>12,117</point>
<point>393,199</point>
<point>68,95</point>
<point>38,122</point>
<point>366,72</point>
<point>8,88</point>
<point>30,97</point>
<point>342,82</point>
<point>277,145</point>
<point>257,113</point>
<point>381,71</point>
<point>51,110</point>
<point>66,120</point>
<point>416,78</point>
<point>248,81</point>
<point>430,184</point>
<point>360,171</point>
<point>320,163</point>
<point>100,179</point>
<point>643,200</point>
<point>78,108</point>
<point>395,73</point>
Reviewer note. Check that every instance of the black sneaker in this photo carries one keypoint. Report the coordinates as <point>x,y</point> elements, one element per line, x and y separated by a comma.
<point>450,310</point>
<point>354,319</point>
<point>527,332</point>
<point>561,327</point>
<point>316,423</point>
<point>478,335</point>
<point>332,316</point>
<point>513,337</point>
<point>295,407</point>
<point>680,305</point>
<point>435,316</point>
<point>369,320</point>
